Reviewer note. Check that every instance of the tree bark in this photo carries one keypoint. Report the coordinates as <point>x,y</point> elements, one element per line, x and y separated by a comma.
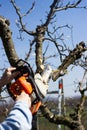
<point>6,37</point>
<point>40,31</point>
<point>70,59</point>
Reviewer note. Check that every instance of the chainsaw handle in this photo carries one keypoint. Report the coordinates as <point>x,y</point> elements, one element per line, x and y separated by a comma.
<point>24,68</point>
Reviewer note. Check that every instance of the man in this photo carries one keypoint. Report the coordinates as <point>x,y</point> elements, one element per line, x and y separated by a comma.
<point>20,117</point>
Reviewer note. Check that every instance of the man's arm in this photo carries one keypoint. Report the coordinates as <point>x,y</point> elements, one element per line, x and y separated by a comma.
<point>20,117</point>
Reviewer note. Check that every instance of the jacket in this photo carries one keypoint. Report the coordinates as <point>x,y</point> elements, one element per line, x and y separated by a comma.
<point>20,118</point>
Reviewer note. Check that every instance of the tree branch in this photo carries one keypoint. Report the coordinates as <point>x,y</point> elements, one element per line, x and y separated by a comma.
<point>21,16</point>
<point>73,125</point>
<point>70,59</point>
<point>6,37</point>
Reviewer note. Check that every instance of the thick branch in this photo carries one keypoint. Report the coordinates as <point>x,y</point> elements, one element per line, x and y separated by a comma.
<point>70,59</point>
<point>6,37</point>
<point>73,125</point>
<point>40,31</point>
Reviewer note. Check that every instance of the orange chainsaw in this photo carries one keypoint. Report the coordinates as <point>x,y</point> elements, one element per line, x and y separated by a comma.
<point>34,85</point>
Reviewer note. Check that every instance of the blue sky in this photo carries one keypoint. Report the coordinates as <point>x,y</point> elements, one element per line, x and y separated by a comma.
<point>73,17</point>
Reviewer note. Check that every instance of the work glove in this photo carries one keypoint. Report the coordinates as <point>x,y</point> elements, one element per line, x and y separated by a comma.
<point>42,80</point>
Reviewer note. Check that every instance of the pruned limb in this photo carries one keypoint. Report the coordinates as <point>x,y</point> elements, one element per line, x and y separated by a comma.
<point>70,59</point>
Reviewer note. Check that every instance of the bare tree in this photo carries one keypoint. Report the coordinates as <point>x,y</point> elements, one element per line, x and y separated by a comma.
<point>40,35</point>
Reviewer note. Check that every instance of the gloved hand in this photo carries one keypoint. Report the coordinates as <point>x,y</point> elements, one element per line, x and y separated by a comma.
<point>43,79</point>
<point>42,86</point>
